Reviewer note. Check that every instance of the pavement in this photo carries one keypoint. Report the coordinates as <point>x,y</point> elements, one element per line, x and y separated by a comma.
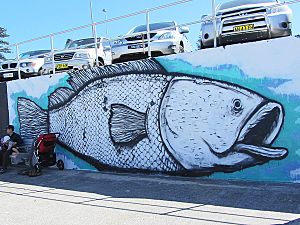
<point>84,198</point>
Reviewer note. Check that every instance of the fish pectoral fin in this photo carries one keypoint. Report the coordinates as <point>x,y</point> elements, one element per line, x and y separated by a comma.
<point>267,152</point>
<point>127,126</point>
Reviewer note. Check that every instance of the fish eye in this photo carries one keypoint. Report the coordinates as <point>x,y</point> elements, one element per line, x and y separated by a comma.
<point>237,105</point>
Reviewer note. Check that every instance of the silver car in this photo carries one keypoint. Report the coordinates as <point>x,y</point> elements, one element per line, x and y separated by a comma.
<point>166,38</point>
<point>247,20</point>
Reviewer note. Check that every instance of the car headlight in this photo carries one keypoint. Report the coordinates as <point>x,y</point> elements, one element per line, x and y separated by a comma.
<point>276,9</point>
<point>168,35</point>
<point>23,64</point>
<point>48,59</point>
<point>27,64</point>
<point>118,42</point>
<point>82,55</point>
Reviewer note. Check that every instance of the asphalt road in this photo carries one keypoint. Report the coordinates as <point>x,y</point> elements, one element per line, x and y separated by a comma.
<point>84,198</point>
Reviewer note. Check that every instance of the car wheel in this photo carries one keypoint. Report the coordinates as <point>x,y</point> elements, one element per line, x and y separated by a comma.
<point>40,72</point>
<point>60,165</point>
<point>100,62</point>
<point>201,45</point>
<point>181,48</point>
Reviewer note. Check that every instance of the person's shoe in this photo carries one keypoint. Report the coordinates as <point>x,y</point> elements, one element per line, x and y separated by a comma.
<point>2,171</point>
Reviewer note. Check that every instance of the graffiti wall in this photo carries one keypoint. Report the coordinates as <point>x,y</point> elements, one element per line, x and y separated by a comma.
<point>229,112</point>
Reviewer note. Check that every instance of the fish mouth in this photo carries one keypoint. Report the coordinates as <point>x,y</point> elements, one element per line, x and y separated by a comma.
<point>259,132</point>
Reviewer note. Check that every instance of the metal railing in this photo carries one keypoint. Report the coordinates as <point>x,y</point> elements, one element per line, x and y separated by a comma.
<point>93,25</point>
<point>213,18</point>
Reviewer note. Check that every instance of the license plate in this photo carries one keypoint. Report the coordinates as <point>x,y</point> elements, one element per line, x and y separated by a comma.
<point>137,46</point>
<point>8,75</point>
<point>62,66</point>
<point>243,27</point>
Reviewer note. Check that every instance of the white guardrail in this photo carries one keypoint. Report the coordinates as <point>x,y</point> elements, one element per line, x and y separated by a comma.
<point>51,36</point>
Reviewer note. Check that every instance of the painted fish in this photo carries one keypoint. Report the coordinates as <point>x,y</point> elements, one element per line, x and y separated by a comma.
<point>136,115</point>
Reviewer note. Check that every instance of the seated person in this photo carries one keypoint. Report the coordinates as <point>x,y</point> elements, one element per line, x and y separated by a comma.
<point>9,147</point>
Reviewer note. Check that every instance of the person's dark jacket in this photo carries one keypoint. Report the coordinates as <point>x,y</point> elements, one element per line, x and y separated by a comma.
<point>17,139</point>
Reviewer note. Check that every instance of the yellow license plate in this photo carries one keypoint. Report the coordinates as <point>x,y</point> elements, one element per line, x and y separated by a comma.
<point>243,27</point>
<point>62,66</point>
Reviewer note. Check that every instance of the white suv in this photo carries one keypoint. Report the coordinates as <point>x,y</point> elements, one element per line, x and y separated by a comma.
<point>242,21</point>
<point>79,54</point>
<point>30,65</point>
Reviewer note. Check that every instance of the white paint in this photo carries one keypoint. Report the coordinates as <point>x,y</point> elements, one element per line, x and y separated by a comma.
<point>199,120</point>
<point>277,58</point>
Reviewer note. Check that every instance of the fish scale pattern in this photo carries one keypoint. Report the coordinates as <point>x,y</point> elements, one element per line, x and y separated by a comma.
<point>84,122</point>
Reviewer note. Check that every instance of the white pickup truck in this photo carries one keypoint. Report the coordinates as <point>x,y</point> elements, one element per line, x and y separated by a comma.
<point>79,54</point>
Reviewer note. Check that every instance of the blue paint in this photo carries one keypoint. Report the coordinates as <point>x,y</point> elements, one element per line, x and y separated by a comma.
<point>69,157</point>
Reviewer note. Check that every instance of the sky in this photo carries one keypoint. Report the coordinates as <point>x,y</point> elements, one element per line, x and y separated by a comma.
<point>34,18</point>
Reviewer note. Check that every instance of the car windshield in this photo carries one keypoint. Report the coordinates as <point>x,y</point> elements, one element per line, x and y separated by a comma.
<point>82,43</point>
<point>153,26</point>
<point>39,53</point>
<point>235,3</point>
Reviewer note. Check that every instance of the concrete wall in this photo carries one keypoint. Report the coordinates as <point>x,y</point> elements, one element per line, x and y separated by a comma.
<point>230,113</point>
<point>3,108</point>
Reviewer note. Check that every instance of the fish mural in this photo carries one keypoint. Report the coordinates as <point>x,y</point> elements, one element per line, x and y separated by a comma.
<point>137,116</point>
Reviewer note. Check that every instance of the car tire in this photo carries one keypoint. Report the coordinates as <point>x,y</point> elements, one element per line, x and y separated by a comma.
<point>181,48</point>
<point>40,72</point>
<point>100,61</point>
<point>60,165</point>
<point>202,45</point>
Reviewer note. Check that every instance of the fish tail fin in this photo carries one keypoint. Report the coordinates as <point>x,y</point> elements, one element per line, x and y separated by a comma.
<point>33,119</point>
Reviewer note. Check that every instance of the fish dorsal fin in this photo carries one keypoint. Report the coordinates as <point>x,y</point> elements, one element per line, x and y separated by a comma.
<point>127,126</point>
<point>59,96</point>
<point>80,78</point>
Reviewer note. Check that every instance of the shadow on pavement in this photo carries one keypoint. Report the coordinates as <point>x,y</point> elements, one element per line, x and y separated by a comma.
<point>97,188</point>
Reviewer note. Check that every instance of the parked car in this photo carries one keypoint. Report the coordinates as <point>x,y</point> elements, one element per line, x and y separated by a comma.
<point>169,39</point>
<point>247,20</point>
<point>30,65</point>
<point>79,54</point>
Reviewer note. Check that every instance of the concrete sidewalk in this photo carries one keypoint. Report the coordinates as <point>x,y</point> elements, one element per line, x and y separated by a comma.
<point>78,197</point>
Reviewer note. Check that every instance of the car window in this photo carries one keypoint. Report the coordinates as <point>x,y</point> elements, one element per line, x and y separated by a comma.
<point>82,43</point>
<point>153,26</point>
<point>34,54</point>
<point>106,43</point>
<point>236,3</point>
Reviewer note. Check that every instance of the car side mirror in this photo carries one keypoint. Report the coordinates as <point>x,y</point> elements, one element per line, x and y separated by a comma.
<point>184,30</point>
<point>68,41</point>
